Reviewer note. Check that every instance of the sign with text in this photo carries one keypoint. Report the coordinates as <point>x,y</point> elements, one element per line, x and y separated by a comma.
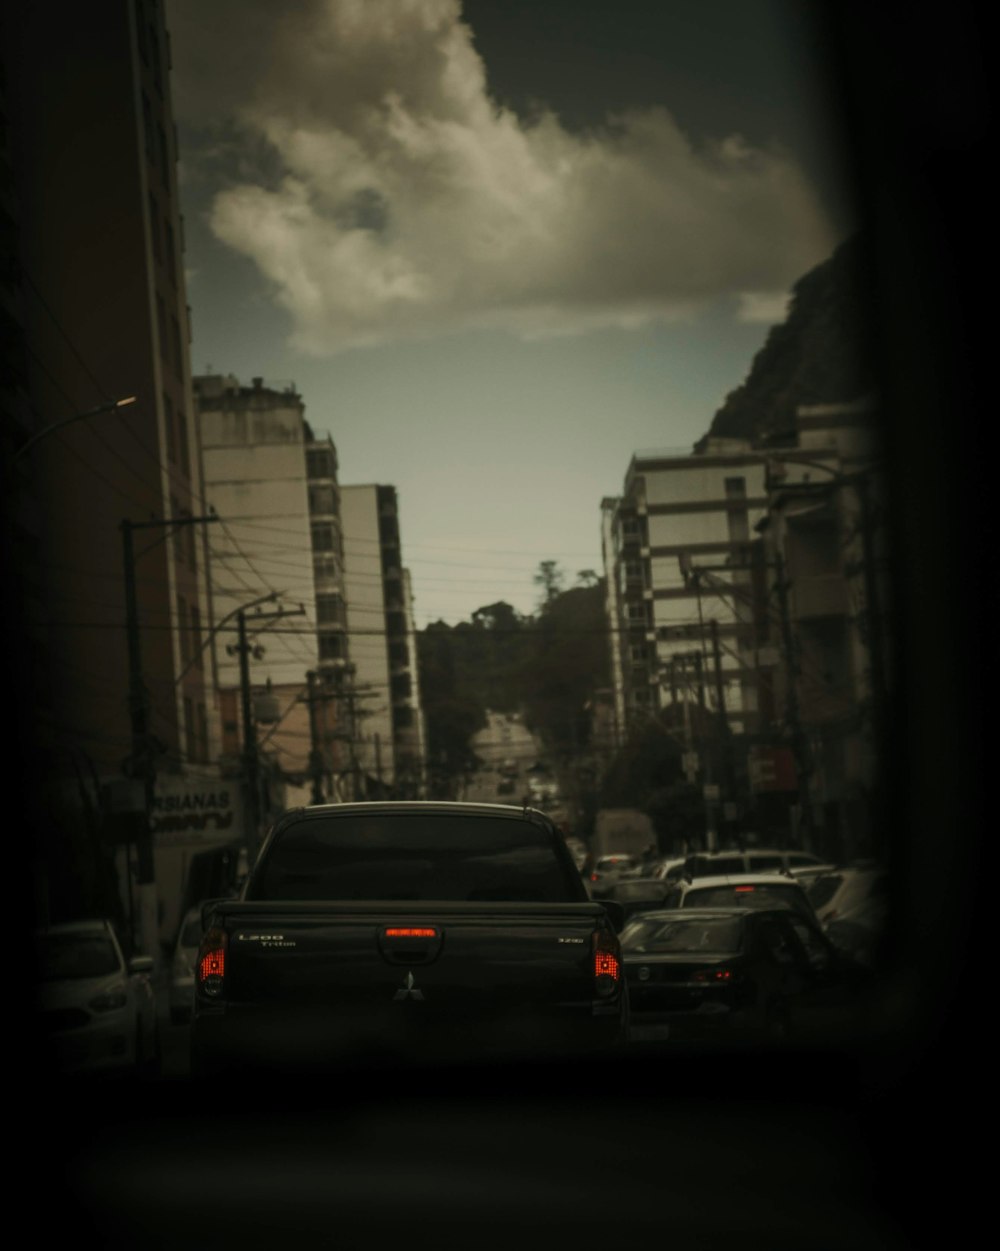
<point>202,811</point>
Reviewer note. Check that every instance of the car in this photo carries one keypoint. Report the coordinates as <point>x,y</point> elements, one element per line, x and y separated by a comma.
<point>606,870</point>
<point>834,894</point>
<point>747,890</point>
<point>754,860</point>
<point>96,1011</point>
<point>636,894</point>
<point>182,966</point>
<point>738,974</point>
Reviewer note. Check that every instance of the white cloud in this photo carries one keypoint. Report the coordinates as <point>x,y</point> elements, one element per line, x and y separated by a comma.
<point>763,307</point>
<point>397,200</point>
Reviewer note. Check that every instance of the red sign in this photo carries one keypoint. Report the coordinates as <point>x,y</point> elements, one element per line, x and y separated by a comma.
<point>772,769</point>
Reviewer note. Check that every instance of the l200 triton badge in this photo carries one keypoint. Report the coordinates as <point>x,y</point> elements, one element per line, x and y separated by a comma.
<point>407,990</point>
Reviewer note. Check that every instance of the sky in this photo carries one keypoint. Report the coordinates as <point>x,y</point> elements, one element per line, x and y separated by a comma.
<point>499,246</point>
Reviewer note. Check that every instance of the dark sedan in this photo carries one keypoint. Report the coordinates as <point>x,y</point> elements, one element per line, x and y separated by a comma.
<point>738,973</point>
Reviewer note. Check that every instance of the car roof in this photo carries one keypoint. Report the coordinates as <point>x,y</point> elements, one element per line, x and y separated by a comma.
<point>93,926</point>
<point>692,914</point>
<point>743,879</point>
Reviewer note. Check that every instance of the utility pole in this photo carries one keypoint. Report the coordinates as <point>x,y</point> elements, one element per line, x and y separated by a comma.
<point>251,770</point>
<point>141,761</point>
<point>793,715</point>
<point>315,757</point>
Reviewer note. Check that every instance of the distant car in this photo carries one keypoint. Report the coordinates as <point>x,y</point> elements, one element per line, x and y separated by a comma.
<point>741,890</point>
<point>97,1013</point>
<point>607,870</point>
<point>182,966</point>
<point>738,973</point>
<point>756,860</point>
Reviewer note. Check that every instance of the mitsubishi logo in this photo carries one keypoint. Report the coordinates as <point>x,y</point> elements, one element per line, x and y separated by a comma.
<point>406,991</point>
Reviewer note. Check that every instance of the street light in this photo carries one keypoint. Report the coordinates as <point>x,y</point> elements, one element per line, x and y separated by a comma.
<point>109,407</point>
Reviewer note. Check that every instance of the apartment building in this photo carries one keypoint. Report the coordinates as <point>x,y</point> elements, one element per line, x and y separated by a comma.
<point>681,590</point>
<point>276,557</point>
<point>824,538</point>
<point>388,725</point>
<point>103,317</point>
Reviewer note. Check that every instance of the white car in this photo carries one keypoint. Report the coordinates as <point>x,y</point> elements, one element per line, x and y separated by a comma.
<point>95,1011</point>
<point>740,890</point>
<point>182,966</point>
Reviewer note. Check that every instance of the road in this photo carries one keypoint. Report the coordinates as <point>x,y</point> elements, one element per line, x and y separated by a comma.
<point>502,739</point>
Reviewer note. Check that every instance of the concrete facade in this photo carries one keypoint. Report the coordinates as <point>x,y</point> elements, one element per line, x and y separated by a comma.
<point>389,735</point>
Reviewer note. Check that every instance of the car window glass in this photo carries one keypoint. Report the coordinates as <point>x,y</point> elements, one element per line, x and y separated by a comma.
<point>823,889</point>
<point>765,864</point>
<point>76,956</point>
<point>701,935</point>
<point>407,856</point>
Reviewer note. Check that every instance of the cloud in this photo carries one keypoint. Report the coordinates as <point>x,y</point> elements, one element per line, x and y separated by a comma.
<point>763,307</point>
<point>384,195</point>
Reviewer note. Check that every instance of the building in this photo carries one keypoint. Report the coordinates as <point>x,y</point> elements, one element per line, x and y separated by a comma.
<point>118,597</point>
<point>824,539</point>
<point>388,725</point>
<point>277,566</point>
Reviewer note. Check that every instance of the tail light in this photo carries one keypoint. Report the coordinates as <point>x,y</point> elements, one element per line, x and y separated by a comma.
<point>607,964</point>
<point>715,976</point>
<point>210,970</point>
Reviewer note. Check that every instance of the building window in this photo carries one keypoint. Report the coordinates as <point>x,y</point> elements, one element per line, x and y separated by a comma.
<point>147,127</point>
<point>182,439</point>
<point>322,538</point>
<point>164,159</point>
<point>637,611</point>
<point>329,610</point>
<point>321,500</point>
<point>190,745</point>
<point>325,568</point>
<point>168,424</point>
<point>736,488</point>
<point>161,322</point>
<point>319,463</point>
<point>203,732</point>
<point>140,31</point>
<point>331,646</point>
<point>178,351</point>
<point>171,254</point>
<point>154,227</point>
<point>175,512</point>
<point>184,625</point>
<point>196,636</point>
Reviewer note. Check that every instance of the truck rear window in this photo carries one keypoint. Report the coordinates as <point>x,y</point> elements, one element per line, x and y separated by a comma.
<point>415,856</point>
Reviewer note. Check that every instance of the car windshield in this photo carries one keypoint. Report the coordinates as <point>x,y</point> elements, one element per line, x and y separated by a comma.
<point>824,888</point>
<point>415,856</point>
<point>72,957</point>
<point>766,895</point>
<point>702,935</point>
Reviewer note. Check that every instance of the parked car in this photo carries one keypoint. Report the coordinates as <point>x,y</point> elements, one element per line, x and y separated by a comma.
<point>738,973</point>
<point>740,890</point>
<point>757,860</point>
<point>96,1012</point>
<point>182,966</point>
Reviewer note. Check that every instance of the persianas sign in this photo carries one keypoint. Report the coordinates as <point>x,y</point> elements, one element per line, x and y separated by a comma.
<point>187,809</point>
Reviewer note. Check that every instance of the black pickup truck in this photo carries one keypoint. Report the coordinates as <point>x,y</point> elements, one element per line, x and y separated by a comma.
<point>406,929</point>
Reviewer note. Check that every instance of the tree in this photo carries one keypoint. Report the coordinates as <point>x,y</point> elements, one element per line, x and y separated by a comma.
<point>550,578</point>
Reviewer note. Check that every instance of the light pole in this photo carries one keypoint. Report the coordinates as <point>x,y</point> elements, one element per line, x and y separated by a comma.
<point>108,407</point>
